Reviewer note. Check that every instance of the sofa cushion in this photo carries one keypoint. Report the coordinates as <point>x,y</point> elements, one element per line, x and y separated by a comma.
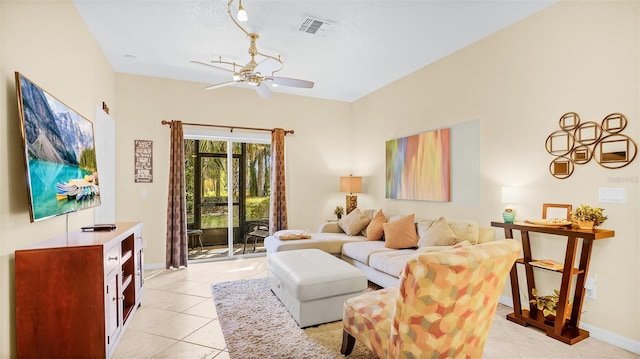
<point>354,222</point>
<point>464,229</point>
<point>400,233</point>
<point>361,251</point>
<point>374,229</point>
<point>438,234</point>
<point>485,234</point>
<point>328,242</point>
<point>391,262</point>
<point>442,248</point>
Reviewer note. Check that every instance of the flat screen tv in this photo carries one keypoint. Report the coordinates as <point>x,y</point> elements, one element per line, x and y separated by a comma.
<point>59,153</point>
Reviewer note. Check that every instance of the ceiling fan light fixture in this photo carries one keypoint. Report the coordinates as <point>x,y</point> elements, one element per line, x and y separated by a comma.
<point>242,13</point>
<point>251,74</point>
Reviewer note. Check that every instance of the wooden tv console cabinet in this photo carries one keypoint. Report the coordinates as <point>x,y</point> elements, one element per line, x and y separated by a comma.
<point>76,292</point>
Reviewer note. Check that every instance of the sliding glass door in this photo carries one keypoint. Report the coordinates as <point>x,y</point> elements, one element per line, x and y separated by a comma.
<point>227,190</point>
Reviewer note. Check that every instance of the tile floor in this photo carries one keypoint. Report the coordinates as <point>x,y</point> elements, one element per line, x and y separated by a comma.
<point>221,252</point>
<point>177,319</point>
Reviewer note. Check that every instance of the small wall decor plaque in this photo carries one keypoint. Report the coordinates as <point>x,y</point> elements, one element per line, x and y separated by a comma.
<point>143,154</point>
<point>577,143</point>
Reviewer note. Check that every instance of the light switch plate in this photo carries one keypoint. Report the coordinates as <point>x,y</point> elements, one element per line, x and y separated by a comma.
<point>612,195</point>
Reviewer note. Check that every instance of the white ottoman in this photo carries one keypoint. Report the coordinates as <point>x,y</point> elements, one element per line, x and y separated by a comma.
<point>313,284</point>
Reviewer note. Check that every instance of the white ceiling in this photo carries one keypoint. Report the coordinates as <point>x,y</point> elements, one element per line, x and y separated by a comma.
<point>369,44</point>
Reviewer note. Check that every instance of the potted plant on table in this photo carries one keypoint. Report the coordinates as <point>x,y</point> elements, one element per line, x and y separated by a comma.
<point>548,304</point>
<point>339,211</point>
<point>588,217</point>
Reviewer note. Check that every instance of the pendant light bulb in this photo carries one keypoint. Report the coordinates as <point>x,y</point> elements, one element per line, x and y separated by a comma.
<point>242,13</point>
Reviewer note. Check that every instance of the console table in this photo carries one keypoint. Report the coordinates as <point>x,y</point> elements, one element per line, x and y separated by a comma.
<point>76,292</point>
<point>565,327</point>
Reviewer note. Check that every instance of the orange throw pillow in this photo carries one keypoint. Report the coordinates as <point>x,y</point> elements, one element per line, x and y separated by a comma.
<point>374,230</point>
<point>400,233</point>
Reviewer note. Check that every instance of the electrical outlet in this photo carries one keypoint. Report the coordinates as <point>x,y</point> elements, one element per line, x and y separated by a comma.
<point>590,287</point>
<point>590,293</point>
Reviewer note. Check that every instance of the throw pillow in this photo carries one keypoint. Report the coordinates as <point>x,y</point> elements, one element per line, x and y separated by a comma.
<point>354,222</point>
<point>288,234</point>
<point>374,230</point>
<point>464,229</point>
<point>400,233</point>
<point>369,213</point>
<point>438,234</point>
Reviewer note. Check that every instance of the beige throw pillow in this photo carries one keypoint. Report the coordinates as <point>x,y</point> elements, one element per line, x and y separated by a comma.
<point>354,222</point>
<point>400,233</point>
<point>464,229</point>
<point>289,234</point>
<point>438,234</point>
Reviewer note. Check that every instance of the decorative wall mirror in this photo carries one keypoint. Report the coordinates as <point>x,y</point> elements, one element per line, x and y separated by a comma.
<point>588,133</point>
<point>560,143</point>
<point>577,143</point>
<point>561,167</point>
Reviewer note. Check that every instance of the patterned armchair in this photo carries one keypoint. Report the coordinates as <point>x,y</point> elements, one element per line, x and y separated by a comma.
<point>443,307</point>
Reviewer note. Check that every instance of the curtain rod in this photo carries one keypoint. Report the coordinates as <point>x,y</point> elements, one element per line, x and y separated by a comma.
<point>286,132</point>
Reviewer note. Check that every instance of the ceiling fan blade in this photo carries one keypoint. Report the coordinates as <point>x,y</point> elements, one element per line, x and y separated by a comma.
<point>285,81</point>
<point>267,66</point>
<point>263,91</point>
<point>210,65</point>
<point>223,84</point>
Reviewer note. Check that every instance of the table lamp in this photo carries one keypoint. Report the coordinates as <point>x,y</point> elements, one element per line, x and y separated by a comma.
<point>351,185</point>
<point>509,197</point>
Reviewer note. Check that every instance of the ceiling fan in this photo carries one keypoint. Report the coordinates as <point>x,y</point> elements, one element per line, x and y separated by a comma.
<point>257,75</point>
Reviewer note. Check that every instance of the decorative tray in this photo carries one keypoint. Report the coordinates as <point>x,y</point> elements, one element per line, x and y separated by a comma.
<point>553,222</point>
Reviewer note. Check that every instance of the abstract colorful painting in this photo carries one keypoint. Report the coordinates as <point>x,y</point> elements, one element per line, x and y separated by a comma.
<point>418,167</point>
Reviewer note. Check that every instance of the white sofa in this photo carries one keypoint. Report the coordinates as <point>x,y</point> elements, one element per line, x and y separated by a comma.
<point>381,264</point>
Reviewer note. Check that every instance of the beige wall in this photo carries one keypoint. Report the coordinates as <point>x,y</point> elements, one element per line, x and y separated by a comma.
<point>314,152</point>
<point>512,86</point>
<point>575,56</point>
<point>49,43</point>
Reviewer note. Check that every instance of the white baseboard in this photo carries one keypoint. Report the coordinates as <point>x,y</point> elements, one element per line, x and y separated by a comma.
<point>612,338</point>
<point>508,301</point>
<point>595,332</point>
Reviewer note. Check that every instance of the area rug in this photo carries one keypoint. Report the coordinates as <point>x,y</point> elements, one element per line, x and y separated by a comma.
<point>256,325</point>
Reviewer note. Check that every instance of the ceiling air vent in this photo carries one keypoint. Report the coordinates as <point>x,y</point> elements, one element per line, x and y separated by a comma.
<point>314,26</point>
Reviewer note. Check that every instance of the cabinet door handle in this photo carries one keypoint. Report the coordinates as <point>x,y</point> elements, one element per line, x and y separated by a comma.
<point>112,258</point>
<point>116,298</point>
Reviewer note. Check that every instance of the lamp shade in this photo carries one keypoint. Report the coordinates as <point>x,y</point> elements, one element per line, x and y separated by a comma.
<point>510,195</point>
<point>351,184</point>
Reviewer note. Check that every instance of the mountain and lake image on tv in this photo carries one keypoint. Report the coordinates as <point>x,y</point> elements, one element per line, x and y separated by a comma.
<point>59,148</point>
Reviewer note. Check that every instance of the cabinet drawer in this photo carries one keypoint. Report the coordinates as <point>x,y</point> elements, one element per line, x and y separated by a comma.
<point>112,258</point>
